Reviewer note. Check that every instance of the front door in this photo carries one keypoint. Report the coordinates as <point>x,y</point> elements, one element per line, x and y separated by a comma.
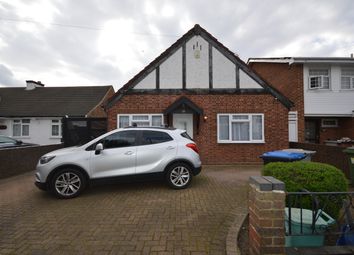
<point>311,131</point>
<point>184,121</point>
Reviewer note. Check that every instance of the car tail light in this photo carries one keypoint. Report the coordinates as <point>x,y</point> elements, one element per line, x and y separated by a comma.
<point>193,146</point>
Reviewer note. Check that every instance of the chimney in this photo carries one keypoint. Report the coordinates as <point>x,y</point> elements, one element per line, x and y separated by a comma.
<point>30,85</point>
<point>351,55</point>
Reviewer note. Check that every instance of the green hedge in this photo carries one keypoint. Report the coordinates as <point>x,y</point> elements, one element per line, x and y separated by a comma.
<point>313,176</point>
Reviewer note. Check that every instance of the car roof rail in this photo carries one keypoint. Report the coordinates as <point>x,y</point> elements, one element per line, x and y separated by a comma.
<point>165,127</point>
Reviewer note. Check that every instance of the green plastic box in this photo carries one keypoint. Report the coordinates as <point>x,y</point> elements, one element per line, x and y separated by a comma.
<point>306,238</point>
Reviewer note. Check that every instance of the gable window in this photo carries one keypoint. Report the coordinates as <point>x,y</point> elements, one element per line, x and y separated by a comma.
<point>20,127</point>
<point>240,128</point>
<point>329,123</point>
<point>319,79</point>
<point>347,78</point>
<point>56,128</point>
<point>140,120</point>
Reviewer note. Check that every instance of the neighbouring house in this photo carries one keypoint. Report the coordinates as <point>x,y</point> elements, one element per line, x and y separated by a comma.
<point>322,90</point>
<point>199,85</point>
<point>34,113</point>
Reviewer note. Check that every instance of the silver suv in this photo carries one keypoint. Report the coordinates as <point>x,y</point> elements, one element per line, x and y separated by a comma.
<point>162,152</point>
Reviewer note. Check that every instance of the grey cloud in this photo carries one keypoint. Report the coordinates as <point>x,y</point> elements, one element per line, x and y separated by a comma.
<point>7,77</point>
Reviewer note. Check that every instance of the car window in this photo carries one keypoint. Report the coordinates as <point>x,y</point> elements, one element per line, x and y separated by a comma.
<point>153,137</point>
<point>4,139</point>
<point>119,140</point>
<point>185,135</point>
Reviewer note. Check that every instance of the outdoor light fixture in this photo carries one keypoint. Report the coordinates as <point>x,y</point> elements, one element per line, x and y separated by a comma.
<point>205,118</point>
<point>183,108</point>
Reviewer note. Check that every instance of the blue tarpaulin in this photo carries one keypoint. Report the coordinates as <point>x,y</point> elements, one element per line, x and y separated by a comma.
<point>282,156</point>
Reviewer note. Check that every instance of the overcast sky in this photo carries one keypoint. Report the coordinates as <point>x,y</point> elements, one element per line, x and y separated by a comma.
<point>99,42</point>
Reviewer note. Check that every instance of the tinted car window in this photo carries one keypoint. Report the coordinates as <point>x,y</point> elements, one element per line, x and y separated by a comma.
<point>119,140</point>
<point>185,135</point>
<point>4,139</point>
<point>153,137</point>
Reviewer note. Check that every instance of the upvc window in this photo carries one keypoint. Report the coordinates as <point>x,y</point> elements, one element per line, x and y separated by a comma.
<point>240,128</point>
<point>20,127</point>
<point>56,128</point>
<point>319,79</point>
<point>347,78</point>
<point>329,123</point>
<point>140,120</point>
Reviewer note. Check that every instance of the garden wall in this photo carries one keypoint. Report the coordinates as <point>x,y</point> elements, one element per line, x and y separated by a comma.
<point>15,161</point>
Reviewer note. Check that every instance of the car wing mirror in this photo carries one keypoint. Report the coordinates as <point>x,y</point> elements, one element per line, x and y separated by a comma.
<point>98,148</point>
<point>19,142</point>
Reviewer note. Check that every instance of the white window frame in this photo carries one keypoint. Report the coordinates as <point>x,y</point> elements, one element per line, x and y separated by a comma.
<point>230,129</point>
<point>21,123</point>
<point>321,79</point>
<point>150,115</point>
<point>327,125</point>
<point>55,124</point>
<point>351,79</point>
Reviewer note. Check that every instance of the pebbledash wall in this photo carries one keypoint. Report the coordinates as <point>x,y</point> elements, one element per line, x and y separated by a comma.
<point>212,152</point>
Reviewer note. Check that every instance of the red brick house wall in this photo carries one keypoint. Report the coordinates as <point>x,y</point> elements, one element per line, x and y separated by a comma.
<point>275,122</point>
<point>344,129</point>
<point>289,81</point>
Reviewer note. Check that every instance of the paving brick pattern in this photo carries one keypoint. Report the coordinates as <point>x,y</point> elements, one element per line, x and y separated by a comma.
<point>134,218</point>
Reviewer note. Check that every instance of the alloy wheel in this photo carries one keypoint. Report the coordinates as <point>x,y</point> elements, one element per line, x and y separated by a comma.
<point>67,184</point>
<point>180,176</point>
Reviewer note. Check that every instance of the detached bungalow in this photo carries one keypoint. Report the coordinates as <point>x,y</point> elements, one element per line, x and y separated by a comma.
<point>199,85</point>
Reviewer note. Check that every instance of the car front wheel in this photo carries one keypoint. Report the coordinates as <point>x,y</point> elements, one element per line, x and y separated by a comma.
<point>68,183</point>
<point>179,176</point>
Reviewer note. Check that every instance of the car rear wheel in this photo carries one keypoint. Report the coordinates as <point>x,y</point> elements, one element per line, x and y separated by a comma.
<point>68,183</point>
<point>179,176</point>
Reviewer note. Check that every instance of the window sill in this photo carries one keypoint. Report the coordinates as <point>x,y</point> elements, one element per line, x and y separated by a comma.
<point>241,142</point>
<point>314,90</point>
<point>55,137</point>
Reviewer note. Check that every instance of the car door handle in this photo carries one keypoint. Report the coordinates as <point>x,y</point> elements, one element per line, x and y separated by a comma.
<point>129,153</point>
<point>170,147</point>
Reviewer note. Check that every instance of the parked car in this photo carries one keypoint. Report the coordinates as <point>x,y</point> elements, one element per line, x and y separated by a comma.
<point>163,152</point>
<point>8,142</point>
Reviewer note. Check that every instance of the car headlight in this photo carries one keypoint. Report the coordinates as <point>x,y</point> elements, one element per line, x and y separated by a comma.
<point>45,159</point>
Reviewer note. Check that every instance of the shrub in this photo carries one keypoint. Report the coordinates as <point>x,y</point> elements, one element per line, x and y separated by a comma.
<point>313,176</point>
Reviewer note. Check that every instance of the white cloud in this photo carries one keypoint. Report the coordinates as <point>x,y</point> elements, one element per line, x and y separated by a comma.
<point>119,44</point>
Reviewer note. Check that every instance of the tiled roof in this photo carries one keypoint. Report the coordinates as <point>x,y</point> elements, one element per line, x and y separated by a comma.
<point>50,101</point>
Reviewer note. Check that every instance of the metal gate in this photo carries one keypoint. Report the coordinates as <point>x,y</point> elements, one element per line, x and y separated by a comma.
<point>78,131</point>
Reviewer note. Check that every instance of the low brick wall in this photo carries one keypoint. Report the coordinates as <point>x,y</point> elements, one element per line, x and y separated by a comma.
<point>332,155</point>
<point>20,160</point>
<point>266,216</point>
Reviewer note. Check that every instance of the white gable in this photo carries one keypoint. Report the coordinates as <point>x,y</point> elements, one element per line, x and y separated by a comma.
<point>197,70</point>
<point>246,82</point>
<point>171,71</point>
<point>224,71</point>
<point>149,82</point>
<point>197,63</point>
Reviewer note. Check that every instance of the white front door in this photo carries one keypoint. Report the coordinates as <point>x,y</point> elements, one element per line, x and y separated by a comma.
<point>184,121</point>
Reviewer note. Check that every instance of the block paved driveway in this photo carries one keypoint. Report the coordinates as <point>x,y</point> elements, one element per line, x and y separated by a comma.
<point>134,218</point>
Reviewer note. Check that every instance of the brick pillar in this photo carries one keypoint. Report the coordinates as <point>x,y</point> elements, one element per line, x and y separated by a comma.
<point>266,216</point>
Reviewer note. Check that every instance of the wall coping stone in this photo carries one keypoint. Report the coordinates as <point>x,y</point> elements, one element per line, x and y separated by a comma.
<point>267,183</point>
